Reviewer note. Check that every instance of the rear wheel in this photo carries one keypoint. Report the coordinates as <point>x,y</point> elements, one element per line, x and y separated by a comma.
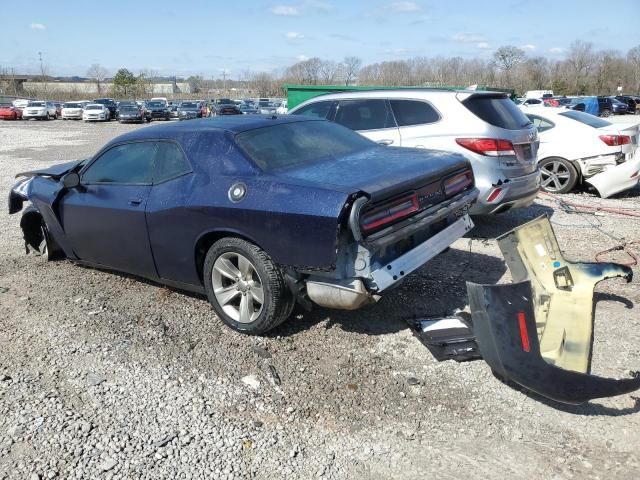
<point>246,289</point>
<point>558,175</point>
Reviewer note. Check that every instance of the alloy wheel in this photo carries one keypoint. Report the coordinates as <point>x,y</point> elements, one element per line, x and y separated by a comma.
<point>555,176</point>
<point>237,287</point>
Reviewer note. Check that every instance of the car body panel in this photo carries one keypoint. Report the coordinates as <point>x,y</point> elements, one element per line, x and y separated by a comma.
<point>538,331</point>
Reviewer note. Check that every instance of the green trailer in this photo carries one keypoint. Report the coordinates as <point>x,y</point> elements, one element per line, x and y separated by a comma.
<point>296,94</point>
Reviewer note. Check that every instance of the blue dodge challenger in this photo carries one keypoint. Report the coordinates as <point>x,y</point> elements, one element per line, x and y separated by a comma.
<point>256,212</point>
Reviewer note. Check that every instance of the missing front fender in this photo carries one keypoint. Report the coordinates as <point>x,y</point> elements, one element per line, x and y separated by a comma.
<point>32,231</point>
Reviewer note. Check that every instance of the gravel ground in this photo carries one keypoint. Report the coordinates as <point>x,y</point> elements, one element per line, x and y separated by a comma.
<point>107,376</point>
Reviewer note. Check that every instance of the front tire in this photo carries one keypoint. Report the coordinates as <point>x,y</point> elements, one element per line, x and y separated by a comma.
<point>606,113</point>
<point>245,288</point>
<point>558,175</point>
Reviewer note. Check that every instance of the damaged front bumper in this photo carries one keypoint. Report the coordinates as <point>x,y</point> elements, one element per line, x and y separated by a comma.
<point>538,331</point>
<point>624,176</point>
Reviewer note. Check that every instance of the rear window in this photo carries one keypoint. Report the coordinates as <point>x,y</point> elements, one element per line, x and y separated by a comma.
<point>301,143</point>
<point>188,105</point>
<point>498,111</point>
<point>586,118</point>
<point>412,112</point>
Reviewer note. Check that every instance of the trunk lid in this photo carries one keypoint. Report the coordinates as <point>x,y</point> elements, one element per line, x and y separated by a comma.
<point>382,172</point>
<point>630,129</point>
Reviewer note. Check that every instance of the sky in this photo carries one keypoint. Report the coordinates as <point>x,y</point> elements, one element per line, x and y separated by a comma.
<point>199,37</point>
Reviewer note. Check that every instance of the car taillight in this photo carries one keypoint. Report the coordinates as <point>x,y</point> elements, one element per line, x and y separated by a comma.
<point>615,140</point>
<point>389,212</point>
<point>494,194</point>
<point>492,147</point>
<point>457,183</point>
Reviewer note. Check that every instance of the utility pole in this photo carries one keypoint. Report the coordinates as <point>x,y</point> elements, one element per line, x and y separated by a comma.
<point>42,72</point>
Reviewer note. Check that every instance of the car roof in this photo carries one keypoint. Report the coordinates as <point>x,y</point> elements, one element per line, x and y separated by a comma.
<point>234,124</point>
<point>400,93</point>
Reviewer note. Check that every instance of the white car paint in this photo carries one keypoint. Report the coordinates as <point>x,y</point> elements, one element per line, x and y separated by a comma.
<point>72,112</point>
<point>95,112</point>
<point>609,169</point>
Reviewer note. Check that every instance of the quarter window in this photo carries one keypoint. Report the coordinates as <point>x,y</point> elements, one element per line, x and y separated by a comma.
<point>315,110</point>
<point>170,162</point>
<point>131,163</point>
<point>364,115</point>
<point>411,112</point>
<point>540,123</point>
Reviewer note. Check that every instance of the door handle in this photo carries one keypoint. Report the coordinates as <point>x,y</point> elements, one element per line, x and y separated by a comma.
<point>135,201</point>
<point>386,141</point>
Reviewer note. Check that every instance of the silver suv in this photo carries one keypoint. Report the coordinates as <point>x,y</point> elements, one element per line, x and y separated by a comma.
<point>486,127</point>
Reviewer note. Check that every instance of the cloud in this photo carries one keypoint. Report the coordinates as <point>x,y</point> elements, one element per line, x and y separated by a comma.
<point>528,46</point>
<point>404,7</point>
<point>483,46</point>
<point>302,58</point>
<point>285,10</point>
<point>341,36</point>
<point>468,38</point>
<point>294,36</point>
<point>556,49</point>
<point>37,26</point>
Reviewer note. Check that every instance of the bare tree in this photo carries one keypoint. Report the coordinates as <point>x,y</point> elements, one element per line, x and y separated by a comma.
<point>98,75</point>
<point>633,57</point>
<point>351,68</point>
<point>580,60</point>
<point>506,58</point>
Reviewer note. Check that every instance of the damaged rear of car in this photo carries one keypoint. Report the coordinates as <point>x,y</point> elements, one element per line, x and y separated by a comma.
<point>255,212</point>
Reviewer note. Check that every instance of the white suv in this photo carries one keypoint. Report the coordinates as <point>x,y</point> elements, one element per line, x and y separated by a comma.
<point>486,127</point>
<point>41,109</point>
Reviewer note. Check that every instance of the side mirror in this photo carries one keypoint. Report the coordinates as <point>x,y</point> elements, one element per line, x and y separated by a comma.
<point>71,180</point>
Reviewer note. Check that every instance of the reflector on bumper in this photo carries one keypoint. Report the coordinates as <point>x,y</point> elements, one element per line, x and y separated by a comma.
<point>538,331</point>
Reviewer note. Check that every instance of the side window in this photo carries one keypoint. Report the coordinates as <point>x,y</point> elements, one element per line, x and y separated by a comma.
<point>364,114</point>
<point>131,163</point>
<point>412,112</point>
<point>315,110</point>
<point>540,123</point>
<point>170,162</point>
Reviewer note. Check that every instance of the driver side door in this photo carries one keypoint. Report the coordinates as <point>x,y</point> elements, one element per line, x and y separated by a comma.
<point>104,218</point>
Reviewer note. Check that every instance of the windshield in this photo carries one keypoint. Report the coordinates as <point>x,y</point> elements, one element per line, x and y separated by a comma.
<point>188,105</point>
<point>156,104</point>
<point>129,108</point>
<point>264,104</point>
<point>93,107</point>
<point>586,118</point>
<point>103,101</point>
<point>72,105</point>
<point>35,104</point>
<point>296,144</point>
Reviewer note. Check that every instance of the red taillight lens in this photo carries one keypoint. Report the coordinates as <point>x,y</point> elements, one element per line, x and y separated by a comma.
<point>493,147</point>
<point>457,183</point>
<point>385,214</point>
<point>615,140</point>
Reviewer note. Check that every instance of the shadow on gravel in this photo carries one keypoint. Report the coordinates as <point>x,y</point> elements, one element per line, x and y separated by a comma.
<point>492,226</point>
<point>587,409</point>
<point>436,289</point>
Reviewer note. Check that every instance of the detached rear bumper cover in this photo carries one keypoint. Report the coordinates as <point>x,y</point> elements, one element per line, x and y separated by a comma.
<point>538,331</point>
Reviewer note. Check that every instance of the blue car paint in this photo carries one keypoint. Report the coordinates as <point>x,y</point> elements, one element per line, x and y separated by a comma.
<point>295,216</point>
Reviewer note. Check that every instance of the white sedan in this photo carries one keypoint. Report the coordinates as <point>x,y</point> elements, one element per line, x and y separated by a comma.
<point>576,147</point>
<point>94,112</point>
<point>72,110</point>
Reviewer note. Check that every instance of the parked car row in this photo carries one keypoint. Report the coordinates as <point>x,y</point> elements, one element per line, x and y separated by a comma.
<point>603,106</point>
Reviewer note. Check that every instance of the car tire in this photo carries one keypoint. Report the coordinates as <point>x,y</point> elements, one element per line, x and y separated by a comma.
<point>558,175</point>
<point>237,276</point>
<point>606,113</point>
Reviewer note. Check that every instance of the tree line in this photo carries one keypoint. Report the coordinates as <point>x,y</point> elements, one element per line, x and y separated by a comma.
<point>583,71</point>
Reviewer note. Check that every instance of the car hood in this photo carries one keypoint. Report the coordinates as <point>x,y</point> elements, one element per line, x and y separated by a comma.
<point>381,172</point>
<point>55,171</point>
